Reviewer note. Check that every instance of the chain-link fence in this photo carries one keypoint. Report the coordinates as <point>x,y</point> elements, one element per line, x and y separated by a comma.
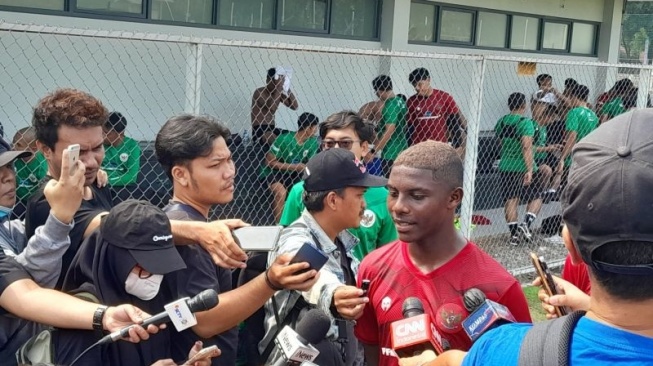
<point>150,77</point>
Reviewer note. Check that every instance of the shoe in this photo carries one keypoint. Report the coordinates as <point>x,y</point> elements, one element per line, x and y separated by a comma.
<point>548,196</point>
<point>525,232</point>
<point>555,240</point>
<point>514,241</point>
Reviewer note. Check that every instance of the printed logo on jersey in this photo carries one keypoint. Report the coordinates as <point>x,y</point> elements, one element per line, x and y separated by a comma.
<point>305,153</point>
<point>369,218</point>
<point>449,317</point>
<point>124,157</point>
<point>32,178</point>
<point>386,303</point>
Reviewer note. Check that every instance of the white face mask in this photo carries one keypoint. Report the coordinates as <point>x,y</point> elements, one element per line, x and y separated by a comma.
<point>143,288</point>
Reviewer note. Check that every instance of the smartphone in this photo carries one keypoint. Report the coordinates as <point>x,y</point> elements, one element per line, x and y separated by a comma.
<point>312,255</point>
<point>201,355</point>
<point>258,238</point>
<point>365,285</point>
<point>547,280</point>
<point>73,156</point>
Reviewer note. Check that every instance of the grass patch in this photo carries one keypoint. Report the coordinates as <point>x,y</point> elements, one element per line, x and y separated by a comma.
<point>537,314</point>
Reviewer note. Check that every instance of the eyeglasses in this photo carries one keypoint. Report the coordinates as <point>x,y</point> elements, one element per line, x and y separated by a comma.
<point>143,274</point>
<point>343,144</point>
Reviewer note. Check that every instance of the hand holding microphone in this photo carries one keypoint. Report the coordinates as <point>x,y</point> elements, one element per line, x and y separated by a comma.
<point>296,346</point>
<point>415,333</point>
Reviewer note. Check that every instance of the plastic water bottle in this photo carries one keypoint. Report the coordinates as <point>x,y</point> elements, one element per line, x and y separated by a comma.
<point>247,139</point>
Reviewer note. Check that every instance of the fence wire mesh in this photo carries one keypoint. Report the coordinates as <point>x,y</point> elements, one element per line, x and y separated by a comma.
<point>151,77</point>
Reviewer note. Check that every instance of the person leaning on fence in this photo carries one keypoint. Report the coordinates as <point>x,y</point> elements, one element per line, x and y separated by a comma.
<point>265,102</point>
<point>520,178</point>
<point>69,116</point>
<point>391,139</point>
<point>193,153</point>
<point>30,170</point>
<point>122,158</point>
<point>335,182</point>
<point>347,130</point>
<point>433,114</point>
<point>609,226</point>
<point>286,159</point>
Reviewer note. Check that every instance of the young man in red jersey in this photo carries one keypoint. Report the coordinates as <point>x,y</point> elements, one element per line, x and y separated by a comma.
<point>431,260</point>
<point>433,114</point>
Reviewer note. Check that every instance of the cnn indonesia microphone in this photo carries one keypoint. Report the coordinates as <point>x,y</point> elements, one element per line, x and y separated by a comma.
<point>296,345</point>
<point>416,332</point>
<point>180,312</point>
<point>485,314</point>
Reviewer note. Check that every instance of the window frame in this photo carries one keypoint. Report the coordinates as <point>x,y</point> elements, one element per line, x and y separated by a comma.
<point>507,36</point>
<point>569,25</point>
<point>377,21</point>
<point>438,25</point>
<point>540,30</point>
<point>436,17</point>
<point>327,20</point>
<point>595,44</point>
<point>145,7</point>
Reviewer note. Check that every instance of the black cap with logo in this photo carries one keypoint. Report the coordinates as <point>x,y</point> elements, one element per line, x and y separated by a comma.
<point>338,168</point>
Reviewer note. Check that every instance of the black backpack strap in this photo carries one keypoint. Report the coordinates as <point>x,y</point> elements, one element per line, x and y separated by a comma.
<point>547,343</point>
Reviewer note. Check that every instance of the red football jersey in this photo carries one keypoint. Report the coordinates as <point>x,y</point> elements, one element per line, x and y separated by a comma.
<point>428,115</point>
<point>394,278</point>
<point>577,275</point>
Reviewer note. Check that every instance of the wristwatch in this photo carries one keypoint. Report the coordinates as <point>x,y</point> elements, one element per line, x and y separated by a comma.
<point>98,316</point>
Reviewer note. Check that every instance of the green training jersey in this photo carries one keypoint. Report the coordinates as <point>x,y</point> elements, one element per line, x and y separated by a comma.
<point>394,113</point>
<point>287,150</point>
<point>29,175</point>
<point>510,129</point>
<point>122,163</point>
<point>613,108</point>
<point>581,120</point>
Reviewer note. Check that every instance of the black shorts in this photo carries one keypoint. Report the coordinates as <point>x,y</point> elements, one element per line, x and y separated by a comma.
<point>551,160</point>
<point>286,178</point>
<point>259,130</point>
<point>512,186</point>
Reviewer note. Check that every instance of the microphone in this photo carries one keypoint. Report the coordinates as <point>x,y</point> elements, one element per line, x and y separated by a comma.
<point>205,300</point>
<point>415,333</point>
<point>296,346</point>
<point>485,314</point>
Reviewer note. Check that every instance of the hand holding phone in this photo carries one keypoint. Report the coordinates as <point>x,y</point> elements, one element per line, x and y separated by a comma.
<point>547,280</point>
<point>258,238</point>
<point>73,157</point>
<point>308,253</point>
<point>365,286</point>
<point>203,354</point>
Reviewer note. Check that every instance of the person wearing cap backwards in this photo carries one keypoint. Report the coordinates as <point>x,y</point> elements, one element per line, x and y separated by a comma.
<point>433,114</point>
<point>335,181</point>
<point>194,154</point>
<point>431,260</point>
<point>123,262</point>
<point>265,102</point>
<point>69,116</point>
<point>347,130</point>
<point>609,227</point>
<point>287,158</point>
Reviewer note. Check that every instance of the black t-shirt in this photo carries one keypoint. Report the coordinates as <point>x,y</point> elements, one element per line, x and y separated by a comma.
<point>200,274</point>
<point>38,210</point>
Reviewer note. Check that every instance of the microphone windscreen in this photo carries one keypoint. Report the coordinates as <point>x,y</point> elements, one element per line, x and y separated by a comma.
<point>411,307</point>
<point>205,300</point>
<point>313,326</point>
<point>473,299</point>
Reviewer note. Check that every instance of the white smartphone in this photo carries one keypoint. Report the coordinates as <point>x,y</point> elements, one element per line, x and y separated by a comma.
<point>261,238</point>
<point>201,355</point>
<point>73,156</point>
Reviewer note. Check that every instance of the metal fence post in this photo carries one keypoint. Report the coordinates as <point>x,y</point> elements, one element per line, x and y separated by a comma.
<point>471,152</point>
<point>193,77</point>
<point>644,87</point>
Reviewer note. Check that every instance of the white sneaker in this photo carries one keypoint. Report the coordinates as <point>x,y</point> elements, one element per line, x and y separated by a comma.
<point>555,240</point>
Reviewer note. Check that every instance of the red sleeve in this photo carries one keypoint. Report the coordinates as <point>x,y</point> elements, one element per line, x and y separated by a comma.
<point>577,275</point>
<point>515,301</point>
<point>367,328</point>
<point>452,107</point>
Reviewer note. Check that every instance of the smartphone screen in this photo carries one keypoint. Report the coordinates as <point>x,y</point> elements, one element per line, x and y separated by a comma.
<point>73,156</point>
<point>312,255</point>
<point>547,280</point>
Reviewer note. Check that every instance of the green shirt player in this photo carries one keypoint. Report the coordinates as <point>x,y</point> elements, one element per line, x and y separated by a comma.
<point>391,138</point>
<point>347,130</point>
<point>286,159</point>
<point>122,157</point>
<point>519,180</point>
<point>29,171</point>
<point>580,121</point>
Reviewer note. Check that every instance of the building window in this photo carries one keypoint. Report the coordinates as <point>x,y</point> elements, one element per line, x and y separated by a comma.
<point>247,13</point>
<point>555,36</point>
<point>38,4</point>
<point>354,18</point>
<point>189,11</point>
<point>583,38</point>
<point>524,33</point>
<point>456,26</point>
<point>113,6</point>
<point>491,29</point>
<point>422,22</point>
<point>303,15</point>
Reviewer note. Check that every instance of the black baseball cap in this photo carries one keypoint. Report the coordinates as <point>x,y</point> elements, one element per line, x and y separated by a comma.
<point>144,230</point>
<point>338,168</point>
<point>7,155</point>
<point>609,194</point>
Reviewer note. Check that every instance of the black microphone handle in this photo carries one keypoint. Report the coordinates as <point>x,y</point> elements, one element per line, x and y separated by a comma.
<point>157,319</point>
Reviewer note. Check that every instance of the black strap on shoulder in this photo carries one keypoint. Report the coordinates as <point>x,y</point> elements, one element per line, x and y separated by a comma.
<point>547,343</point>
